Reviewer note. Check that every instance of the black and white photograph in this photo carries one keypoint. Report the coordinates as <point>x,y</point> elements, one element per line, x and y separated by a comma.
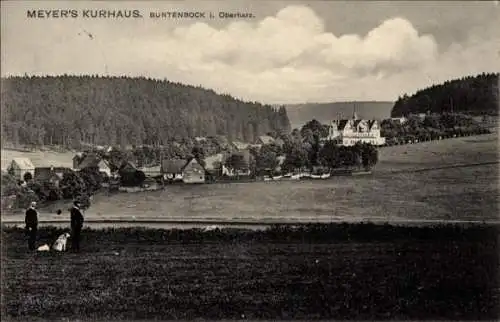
<point>250,160</point>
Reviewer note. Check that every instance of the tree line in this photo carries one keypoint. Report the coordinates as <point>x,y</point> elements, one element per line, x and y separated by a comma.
<point>67,110</point>
<point>474,95</point>
<point>430,127</point>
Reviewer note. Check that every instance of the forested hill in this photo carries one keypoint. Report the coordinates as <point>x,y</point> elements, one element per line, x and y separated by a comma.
<point>120,110</point>
<point>474,95</point>
<point>300,114</point>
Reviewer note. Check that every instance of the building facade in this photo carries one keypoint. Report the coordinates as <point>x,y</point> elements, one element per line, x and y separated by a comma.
<point>350,132</point>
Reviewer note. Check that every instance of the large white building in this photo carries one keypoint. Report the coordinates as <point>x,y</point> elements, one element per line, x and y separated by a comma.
<point>349,132</point>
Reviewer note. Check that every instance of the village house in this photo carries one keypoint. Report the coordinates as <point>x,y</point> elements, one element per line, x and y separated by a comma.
<point>172,169</point>
<point>350,132</point>
<point>19,167</point>
<point>242,169</point>
<point>91,161</point>
<point>193,172</point>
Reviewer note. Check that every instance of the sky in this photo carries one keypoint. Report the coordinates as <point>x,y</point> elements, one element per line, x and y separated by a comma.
<point>287,52</point>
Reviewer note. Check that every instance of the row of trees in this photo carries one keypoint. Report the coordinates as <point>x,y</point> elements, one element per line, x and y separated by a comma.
<point>73,185</point>
<point>68,110</point>
<point>474,95</point>
<point>318,157</point>
<point>431,127</point>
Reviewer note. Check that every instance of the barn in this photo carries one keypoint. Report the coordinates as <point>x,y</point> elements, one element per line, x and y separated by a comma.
<point>19,167</point>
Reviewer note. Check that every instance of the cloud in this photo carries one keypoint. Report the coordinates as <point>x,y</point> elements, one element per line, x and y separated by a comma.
<point>288,57</point>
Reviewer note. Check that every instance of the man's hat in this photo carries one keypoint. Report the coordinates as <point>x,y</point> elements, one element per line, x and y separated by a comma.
<point>33,204</point>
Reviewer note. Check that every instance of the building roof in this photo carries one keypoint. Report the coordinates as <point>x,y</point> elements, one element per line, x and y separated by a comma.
<point>240,145</point>
<point>341,124</point>
<point>189,161</point>
<point>23,163</point>
<point>173,165</point>
<point>266,139</point>
<point>78,155</point>
<point>371,123</point>
<point>156,168</point>
<point>90,160</point>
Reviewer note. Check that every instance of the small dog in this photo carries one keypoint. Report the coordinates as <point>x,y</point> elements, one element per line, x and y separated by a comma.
<point>60,243</point>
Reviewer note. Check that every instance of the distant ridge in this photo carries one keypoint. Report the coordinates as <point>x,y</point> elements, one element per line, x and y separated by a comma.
<point>299,114</point>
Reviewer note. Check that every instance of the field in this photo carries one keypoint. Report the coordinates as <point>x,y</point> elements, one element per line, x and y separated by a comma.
<point>432,154</point>
<point>39,158</point>
<point>320,271</point>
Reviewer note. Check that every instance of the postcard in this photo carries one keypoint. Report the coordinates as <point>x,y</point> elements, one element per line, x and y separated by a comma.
<point>250,160</point>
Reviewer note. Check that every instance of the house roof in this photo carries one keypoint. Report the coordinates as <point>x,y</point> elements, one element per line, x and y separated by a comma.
<point>129,164</point>
<point>355,123</point>
<point>240,145</point>
<point>156,168</point>
<point>190,161</point>
<point>23,163</point>
<point>89,161</point>
<point>173,165</point>
<point>266,139</point>
<point>371,123</point>
<point>341,124</point>
<point>77,155</point>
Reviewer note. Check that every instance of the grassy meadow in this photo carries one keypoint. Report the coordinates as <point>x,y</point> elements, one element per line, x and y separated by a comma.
<point>39,158</point>
<point>359,271</point>
<point>432,154</point>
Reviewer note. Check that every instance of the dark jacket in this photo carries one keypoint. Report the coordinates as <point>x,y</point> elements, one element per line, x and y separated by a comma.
<point>31,218</point>
<point>76,218</point>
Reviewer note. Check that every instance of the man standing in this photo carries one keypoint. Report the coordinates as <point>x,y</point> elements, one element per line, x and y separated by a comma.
<point>31,220</point>
<point>76,226</point>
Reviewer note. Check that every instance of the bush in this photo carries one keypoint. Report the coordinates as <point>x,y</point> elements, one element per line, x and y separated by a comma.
<point>132,178</point>
<point>72,185</point>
